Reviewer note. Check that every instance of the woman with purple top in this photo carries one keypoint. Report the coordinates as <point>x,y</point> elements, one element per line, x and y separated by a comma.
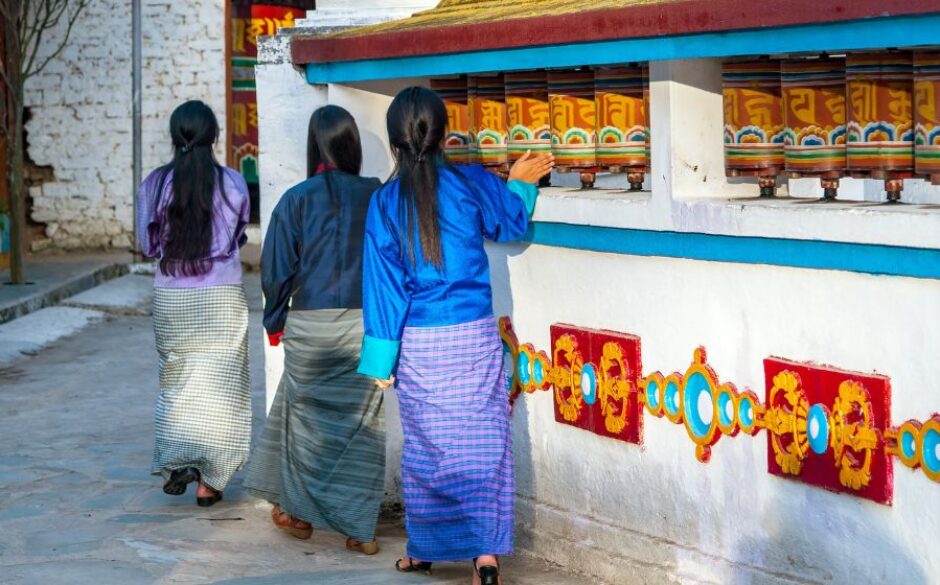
<point>192,215</point>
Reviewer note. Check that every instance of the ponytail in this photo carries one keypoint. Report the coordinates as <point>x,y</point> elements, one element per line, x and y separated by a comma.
<point>417,122</point>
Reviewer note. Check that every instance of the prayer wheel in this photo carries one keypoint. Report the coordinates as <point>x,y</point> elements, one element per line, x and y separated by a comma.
<point>754,129</point>
<point>880,124</point>
<point>529,113</point>
<point>814,112</point>
<point>574,123</point>
<point>489,130</point>
<point>622,129</point>
<point>927,115</point>
<point>454,93</point>
<point>646,108</point>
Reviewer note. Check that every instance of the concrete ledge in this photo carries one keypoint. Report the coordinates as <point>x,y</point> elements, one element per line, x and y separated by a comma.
<point>56,281</point>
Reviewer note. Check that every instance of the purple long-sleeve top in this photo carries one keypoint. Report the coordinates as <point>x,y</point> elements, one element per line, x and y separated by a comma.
<point>229,220</point>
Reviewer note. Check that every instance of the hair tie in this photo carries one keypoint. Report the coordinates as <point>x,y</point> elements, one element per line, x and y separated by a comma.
<point>187,148</point>
<point>420,158</point>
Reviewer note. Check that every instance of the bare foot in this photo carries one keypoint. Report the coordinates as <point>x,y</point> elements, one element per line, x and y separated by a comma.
<point>205,491</point>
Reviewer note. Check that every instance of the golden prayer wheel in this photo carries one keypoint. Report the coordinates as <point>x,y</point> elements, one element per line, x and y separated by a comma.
<point>880,122</point>
<point>927,115</point>
<point>529,113</point>
<point>754,129</point>
<point>488,121</point>
<point>814,113</point>
<point>453,92</point>
<point>622,128</point>
<point>574,123</point>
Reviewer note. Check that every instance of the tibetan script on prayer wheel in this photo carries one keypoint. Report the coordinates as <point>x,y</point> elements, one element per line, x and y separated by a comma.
<point>454,93</point>
<point>754,129</point>
<point>622,129</point>
<point>529,113</point>
<point>488,121</point>
<point>927,115</point>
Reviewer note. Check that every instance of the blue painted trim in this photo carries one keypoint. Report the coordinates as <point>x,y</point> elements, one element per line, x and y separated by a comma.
<point>899,31</point>
<point>815,254</point>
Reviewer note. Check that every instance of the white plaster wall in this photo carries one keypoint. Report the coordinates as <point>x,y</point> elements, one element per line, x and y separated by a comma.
<point>81,110</point>
<point>653,514</point>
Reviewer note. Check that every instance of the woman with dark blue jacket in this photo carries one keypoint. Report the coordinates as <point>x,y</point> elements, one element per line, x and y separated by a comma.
<point>321,459</point>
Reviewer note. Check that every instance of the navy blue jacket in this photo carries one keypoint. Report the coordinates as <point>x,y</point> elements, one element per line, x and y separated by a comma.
<point>312,255</point>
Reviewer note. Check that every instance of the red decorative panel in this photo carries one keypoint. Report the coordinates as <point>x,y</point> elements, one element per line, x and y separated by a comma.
<point>617,412</point>
<point>571,350</point>
<point>825,427</point>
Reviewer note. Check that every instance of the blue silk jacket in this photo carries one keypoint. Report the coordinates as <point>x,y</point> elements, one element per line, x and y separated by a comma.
<point>397,292</point>
<point>312,255</point>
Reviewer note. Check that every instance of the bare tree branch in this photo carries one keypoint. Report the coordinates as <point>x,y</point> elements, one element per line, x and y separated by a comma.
<point>29,71</point>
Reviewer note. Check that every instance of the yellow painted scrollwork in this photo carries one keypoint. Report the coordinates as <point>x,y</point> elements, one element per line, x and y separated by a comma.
<point>614,391</point>
<point>853,438</point>
<point>567,378</point>
<point>785,419</point>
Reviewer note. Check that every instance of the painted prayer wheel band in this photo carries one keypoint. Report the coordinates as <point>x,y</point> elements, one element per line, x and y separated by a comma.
<point>814,112</point>
<point>927,115</point>
<point>457,142</point>
<point>754,129</point>
<point>488,120</point>
<point>623,134</point>
<point>529,113</point>
<point>574,118</point>
<point>880,125</point>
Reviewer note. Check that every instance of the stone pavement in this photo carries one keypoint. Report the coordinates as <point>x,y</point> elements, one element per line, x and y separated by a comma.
<point>78,506</point>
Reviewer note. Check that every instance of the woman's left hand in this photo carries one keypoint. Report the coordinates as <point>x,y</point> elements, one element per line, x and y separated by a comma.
<point>385,384</point>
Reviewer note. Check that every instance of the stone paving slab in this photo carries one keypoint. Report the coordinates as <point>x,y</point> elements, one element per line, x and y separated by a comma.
<point>130,294</point>
<point>78,505</point>
<point>30,334</point>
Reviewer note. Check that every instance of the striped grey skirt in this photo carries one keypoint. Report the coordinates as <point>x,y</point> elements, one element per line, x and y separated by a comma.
<point>203,414</point>
<point>321,456</point>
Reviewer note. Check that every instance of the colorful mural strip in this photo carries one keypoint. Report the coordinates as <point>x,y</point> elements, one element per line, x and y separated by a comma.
<point>454,93</point>
<point>927,115</point>
<point>622,121</point>
<point>814,115</point>
<point>825,426</point>
<point>754,126</point>
<point>249,21</point>
<point>529,113</point>
<point>489,131</point>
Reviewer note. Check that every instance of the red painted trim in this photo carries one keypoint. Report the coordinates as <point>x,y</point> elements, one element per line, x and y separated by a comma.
<point>674,18</point>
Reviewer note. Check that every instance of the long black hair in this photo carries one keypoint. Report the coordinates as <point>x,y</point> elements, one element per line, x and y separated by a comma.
<point>196,176</point>
<point>333,140</point>
<point>417,122</point>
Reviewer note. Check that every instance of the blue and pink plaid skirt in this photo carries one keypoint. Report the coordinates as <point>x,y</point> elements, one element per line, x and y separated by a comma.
<point>457,468</point>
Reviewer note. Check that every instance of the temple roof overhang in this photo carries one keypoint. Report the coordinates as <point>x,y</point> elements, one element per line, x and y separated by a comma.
<point>460,36</point>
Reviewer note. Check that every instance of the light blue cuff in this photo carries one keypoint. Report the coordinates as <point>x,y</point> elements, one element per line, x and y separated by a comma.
<point>527,191</point>
<point>379,357</point>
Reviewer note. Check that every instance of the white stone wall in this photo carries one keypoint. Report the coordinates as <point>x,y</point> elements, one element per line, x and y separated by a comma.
<point>635,515</point>
<point>81,110</point>
<point>632,515</point>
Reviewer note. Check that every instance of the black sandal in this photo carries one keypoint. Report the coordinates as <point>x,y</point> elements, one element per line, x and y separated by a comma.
<point>423,566</point>
<point>179,480</point>
<point>488,574</point>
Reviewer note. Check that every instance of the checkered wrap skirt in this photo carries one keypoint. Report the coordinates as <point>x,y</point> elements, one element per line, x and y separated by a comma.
<point>457,466</point>
<point>203,413</point>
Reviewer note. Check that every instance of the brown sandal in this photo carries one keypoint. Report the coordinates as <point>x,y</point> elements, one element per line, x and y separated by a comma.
<point>366,548</point>
<point>294,526</point>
